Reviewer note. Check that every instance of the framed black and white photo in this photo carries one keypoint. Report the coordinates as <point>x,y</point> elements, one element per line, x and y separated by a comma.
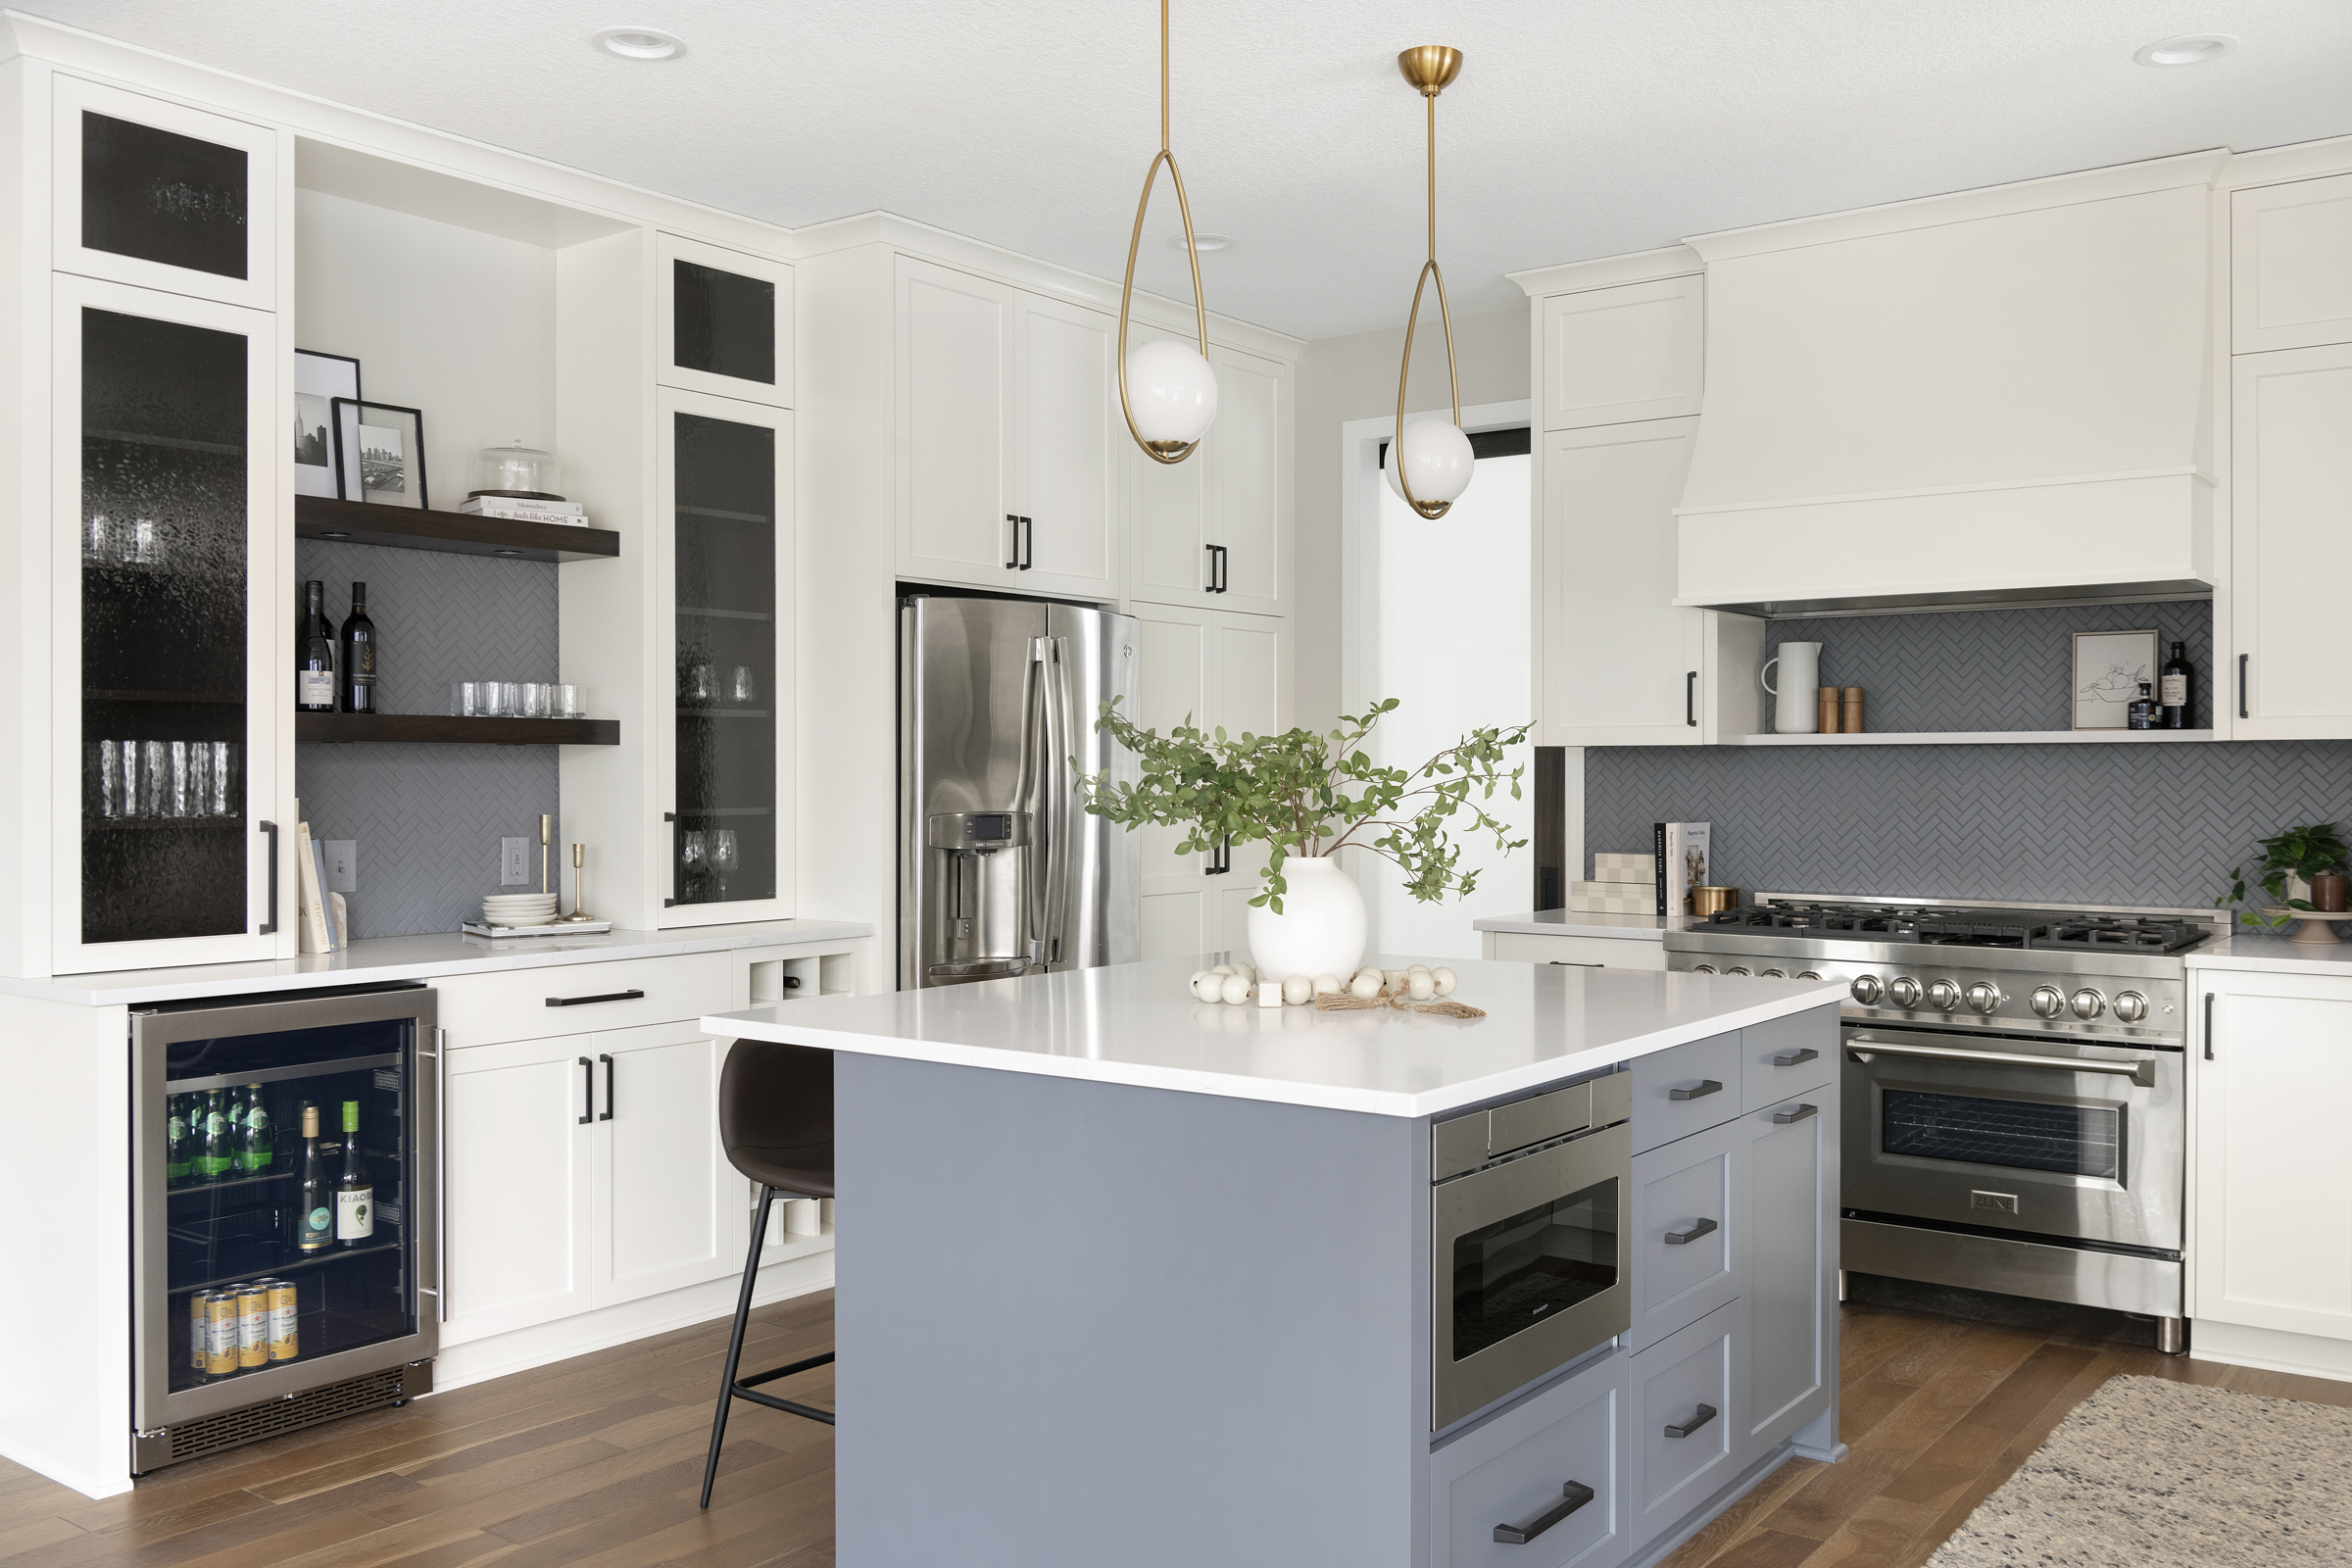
<point>319,379</point>
<point>379,452</point>
<point>2109,666</point>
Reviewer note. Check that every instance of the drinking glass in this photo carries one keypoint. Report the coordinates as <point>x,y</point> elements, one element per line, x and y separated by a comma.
<point>155,778</point>
<point>465,699</point>
<point>724,857</point>
<point>224,778</point>
<point>98,539</point>
<point>702,685</point>
<point>568,702</point>
<point>742,686</point>
<point>200,778</point>
<point>693,854</point>
<point>176,802</point>
<point>109,794</point>
<point>498,698</point>
<point>143,544</point>
<point>534,699</point>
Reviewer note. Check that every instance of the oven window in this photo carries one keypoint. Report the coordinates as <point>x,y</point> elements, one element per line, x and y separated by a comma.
<point>1517,1272</point>
<point>2022,1134</point>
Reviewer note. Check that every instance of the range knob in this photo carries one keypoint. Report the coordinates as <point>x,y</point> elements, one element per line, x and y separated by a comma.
<point>1943,996</point>
<point>1984,995</point>
<point>1703,968</point>
<point>2089,1004</point>
<point>1738,968</point>
<point>2048,1002</point>
<point>1867,990</point>
<point>1775,974</point>
<point>1903,990</point>
<point>2130,1006</point>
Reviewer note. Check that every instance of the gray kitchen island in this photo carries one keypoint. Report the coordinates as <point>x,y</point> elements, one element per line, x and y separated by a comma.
<point>1126,1278</point>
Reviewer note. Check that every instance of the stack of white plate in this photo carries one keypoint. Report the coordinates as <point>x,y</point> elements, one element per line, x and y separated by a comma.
<point>519,908</point>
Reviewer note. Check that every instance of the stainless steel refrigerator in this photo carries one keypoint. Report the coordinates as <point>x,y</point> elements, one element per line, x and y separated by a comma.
<point>1000,870</point>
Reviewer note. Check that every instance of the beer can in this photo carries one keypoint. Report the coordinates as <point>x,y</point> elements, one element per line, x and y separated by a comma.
<point>220,1332</point>
<point>253,1325</point>
<point>196,1331</point>
<point>282,1305</point>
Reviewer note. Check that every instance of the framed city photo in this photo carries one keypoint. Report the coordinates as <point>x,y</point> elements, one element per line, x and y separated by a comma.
<point>2109,666</point>
<point>379,452</point>
<point>319,379</point>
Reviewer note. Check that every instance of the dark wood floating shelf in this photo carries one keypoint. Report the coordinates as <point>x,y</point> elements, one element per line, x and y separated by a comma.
<point>451,532</point>
<point>443,730</point>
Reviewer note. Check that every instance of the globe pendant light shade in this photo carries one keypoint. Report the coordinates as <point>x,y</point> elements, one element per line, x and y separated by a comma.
<point>1172,394</point>
<point>1435,459</point>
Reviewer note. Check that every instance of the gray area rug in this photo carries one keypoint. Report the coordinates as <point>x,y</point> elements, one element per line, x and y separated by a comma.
<point>2154,1474</point>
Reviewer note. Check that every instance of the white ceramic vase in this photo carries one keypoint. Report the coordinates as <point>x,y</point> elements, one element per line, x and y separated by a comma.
<point>1321,928</point>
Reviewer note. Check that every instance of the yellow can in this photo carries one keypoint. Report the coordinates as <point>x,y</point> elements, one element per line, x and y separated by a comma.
<point>196,1331</point>
<point>253,1325</point>
<point>220,1332</point>
<point>284,1303</point>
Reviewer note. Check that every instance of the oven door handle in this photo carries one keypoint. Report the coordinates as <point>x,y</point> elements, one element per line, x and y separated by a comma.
<point>2142,1071</point>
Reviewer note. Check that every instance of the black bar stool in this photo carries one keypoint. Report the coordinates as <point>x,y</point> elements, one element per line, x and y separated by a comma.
<point>775,1119</point>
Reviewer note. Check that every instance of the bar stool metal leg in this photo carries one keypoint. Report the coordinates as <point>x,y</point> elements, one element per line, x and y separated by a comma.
<point>742,1312</point>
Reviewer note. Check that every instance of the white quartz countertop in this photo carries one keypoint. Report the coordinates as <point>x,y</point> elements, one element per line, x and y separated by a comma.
<point>1136,1023</point>
<point>2272,955</point>
<point>1578,923</point>
<point>416,958</point>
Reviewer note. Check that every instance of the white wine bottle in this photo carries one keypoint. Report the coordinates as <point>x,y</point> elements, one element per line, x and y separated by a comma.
<point>355,1194</point>
<point>314,1227</point>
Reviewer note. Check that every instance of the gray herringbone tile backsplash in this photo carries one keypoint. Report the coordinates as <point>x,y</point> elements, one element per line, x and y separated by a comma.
<point>428,818</point>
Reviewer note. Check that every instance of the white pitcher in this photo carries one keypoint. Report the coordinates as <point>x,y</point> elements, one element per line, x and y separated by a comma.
<point>1796,705</point>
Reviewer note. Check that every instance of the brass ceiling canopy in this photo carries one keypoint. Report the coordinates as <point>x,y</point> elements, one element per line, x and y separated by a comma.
<point>1180,387</point>
<point>1429,68</point>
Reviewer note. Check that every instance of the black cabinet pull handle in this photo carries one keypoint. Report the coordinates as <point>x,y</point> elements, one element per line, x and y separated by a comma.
<point>607,1062</point>
<point>1789,1059</point>
<point>1690,699</point>
<point>2241,686</point>
<point>1013,547</point>
<point>1574,1494</point>
<point>1217,569</point>
<point>1683,1429</point>
<point>1696,1229</point>
<point>2208,1027</point>
<point>1028,543</point>
<point>587,1091</point>
<point>1706,1087</point>
<point>270,926</point>
<point>1782,1119</point>
<point>583,1001</point>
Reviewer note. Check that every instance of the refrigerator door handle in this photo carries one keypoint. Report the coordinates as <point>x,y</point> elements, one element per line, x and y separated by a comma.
<point>1061,786</point>
<point>439,1289</point>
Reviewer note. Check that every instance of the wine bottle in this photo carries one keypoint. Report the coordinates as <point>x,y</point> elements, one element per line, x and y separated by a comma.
<point>2172,693</point>
<point>359,655</point>
<point>179,1148</point>
<point>355,1194</point>
<point>313,1226</point>
<point>215,1155</point>
<point>256,1153</point>
<point>314,653</point>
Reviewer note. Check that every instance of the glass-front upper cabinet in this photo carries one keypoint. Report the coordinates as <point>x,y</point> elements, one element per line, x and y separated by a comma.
<point>164,490</point>
<point>152,193</point>
<point>724,321</point>
<point>725,596</point>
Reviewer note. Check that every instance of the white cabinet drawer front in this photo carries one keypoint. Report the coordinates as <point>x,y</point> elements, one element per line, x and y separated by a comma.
<point>1515,1469</point>
<point>1694,1190</point>
<point>1605,953</point>
<point>1786,1056</point>
<point>1677,1381</point>
<point>487,1008</point>
<point>1686,1089</point>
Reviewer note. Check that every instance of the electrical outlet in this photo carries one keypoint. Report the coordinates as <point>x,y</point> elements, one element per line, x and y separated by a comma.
<point>514,863</point>
<point>342,864</point>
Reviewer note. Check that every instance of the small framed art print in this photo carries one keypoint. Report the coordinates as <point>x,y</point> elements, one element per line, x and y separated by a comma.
<point>379,452</point>
<point>319,379</point>
<point>2109,666</point>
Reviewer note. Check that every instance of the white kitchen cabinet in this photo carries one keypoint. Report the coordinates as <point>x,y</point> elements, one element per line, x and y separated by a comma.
<point>517,1209</point>
<point>1212,531</point>
<point>1005,404</point>
<point>1622,664</point>
<point>2290,264</point>
<point>1584,953</point>
<point>1790,1169</point>
<point>1219,669</point>
<point>671,1206</point>
<point>2271,1247</point>
<point>723,322</point>
<point>2285,677</point>
<point>1633,352</point>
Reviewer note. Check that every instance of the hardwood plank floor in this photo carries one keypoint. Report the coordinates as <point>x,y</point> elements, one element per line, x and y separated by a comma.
<point>598,1460</point>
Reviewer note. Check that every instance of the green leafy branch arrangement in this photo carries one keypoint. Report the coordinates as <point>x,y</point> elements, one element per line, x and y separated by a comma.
<point>2303,852</point>
<point>1308,793</point>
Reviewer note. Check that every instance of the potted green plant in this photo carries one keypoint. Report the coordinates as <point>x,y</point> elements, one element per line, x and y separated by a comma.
<point>1304,796</point>
<point>2297,864</point>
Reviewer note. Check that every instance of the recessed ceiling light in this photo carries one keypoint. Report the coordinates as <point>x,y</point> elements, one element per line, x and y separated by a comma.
<point>1207,242</point>
<point>2189,49</point>
<point>641,43</point>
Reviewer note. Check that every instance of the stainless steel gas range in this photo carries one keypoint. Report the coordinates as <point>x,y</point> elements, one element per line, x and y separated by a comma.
<point>2014,1116</point>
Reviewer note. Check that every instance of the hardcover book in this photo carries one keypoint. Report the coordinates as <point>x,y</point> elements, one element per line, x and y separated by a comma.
<point>1680,852</point>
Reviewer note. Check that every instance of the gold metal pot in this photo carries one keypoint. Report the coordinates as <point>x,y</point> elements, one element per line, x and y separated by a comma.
<point>1707,901</point>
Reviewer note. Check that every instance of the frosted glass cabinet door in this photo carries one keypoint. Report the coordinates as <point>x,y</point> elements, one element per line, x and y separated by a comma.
<point>168,632</point>
<point>152,193</point>
<point>723,322</point>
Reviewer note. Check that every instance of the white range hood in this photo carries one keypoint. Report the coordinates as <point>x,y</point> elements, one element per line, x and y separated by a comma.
<point>2002,396</point>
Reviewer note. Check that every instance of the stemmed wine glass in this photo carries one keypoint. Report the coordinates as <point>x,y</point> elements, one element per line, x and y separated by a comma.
<point>693,855</point>
<point>725,857</point>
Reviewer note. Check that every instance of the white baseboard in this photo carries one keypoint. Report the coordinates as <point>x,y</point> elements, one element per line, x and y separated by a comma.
<point>89,1483</point>
<point>520,1350</point>
<point>2270,1349</point>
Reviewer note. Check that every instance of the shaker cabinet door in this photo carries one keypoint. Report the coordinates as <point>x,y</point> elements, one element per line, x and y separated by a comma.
<point>669,1206</point>
<point>1065,470</point>
<point>1170,509</point>
<point>1633,352</point>
<point>152,193</point>
<point>2290,545</point>
<point>1792,1173</point>
<point>1248,495</point>
<point>2290,269</point>
<point>954,420</point>
<point>723,322</point>
<point>518,1204</point>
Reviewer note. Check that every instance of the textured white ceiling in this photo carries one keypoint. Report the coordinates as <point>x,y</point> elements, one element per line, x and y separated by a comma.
<point>1577,130</point>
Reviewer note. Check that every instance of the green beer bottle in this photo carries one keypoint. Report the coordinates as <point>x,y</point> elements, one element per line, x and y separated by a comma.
<point>215,1155</point>
<point>178,1152</point>
<point>256,1153</point>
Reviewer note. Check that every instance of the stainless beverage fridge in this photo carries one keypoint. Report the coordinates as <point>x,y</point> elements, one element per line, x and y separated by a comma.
<point>272,1290</point>
<point>1000,870</point>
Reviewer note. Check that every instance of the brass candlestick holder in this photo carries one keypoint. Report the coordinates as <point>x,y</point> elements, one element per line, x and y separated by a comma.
<point>579,914</point>
<point>547,830</point>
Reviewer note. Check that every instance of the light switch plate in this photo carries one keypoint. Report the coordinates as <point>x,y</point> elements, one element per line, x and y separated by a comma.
<point>342,864</point>
<point>514,863</point>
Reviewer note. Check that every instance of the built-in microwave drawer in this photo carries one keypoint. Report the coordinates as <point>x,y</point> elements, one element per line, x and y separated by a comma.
<point>481,1009</point>
<point>1542,1484</point>
<point>1686,1089</point>
<point>1787,1056</point>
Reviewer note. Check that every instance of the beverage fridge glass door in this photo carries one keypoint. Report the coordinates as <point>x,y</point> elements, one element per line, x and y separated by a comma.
<point>265,1260</point>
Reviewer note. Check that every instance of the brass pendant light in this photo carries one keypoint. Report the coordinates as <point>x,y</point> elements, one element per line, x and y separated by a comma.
<point>1179,390</point>
<point>1435,452</point>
